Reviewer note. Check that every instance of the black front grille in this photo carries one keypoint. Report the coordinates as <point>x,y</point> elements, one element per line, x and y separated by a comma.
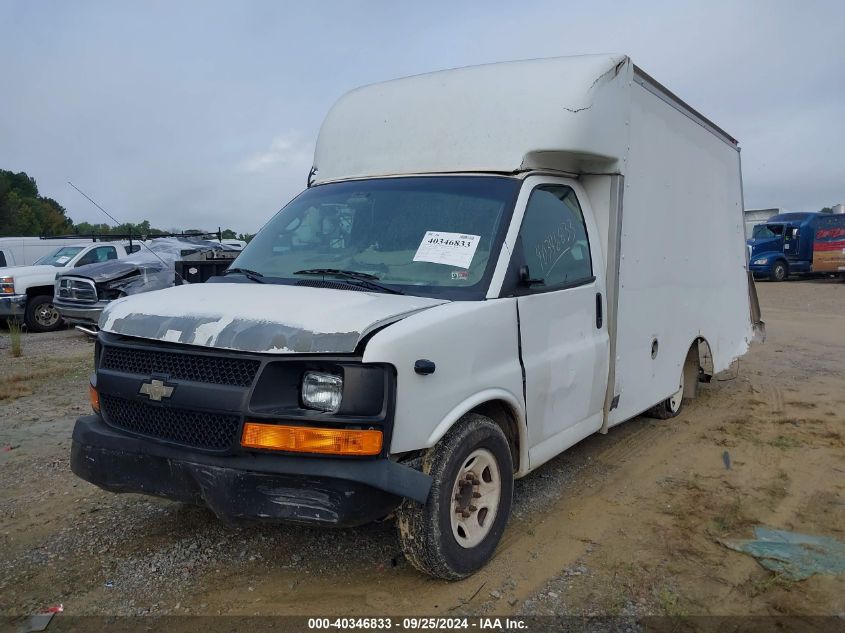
<point>239,372</point>
<point>191,428</point>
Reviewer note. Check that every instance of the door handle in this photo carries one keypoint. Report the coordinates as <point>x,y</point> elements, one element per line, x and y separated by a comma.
<point>599,311</point>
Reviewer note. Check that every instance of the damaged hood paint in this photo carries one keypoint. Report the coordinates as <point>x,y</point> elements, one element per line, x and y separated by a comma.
<point>114,269</point>
<point>259,317</point>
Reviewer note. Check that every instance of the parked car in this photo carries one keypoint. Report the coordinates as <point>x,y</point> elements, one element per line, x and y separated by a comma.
<point>456,299</point>
<point>26,292</point>
<point>236,244</point>
<point>80,294</point>
<point>24,251</point>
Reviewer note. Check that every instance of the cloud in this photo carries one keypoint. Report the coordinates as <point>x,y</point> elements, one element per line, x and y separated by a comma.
<point>198,114</point>
<point>289,150</point>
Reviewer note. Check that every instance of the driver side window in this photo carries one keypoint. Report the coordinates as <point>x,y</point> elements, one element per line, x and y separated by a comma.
<point>96,255</point>
<point>554,239</point>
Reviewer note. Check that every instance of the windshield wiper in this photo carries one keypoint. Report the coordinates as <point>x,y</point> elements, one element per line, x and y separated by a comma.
<point>252,275</point>
<point>366,279</point>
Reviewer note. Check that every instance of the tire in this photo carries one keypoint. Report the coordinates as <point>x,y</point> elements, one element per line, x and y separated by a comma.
<point>780,271</point>
<point>453,534</point>
<point>672,406</point>
<point>41,315</point>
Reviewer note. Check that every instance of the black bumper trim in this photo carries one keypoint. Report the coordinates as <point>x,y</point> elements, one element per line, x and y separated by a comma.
<point>235,486</point>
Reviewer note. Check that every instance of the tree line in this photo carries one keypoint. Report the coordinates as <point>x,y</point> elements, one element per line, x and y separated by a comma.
<point>23,212</point>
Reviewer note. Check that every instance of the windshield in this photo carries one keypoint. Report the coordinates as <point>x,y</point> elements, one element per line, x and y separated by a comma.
<point>59,257</point>
<point>427,236</point>
<point>763,231</point>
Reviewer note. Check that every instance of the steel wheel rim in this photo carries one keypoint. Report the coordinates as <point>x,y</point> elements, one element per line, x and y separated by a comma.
<point>475,498</point>
<point>677,398</point>
<point>46,315</point>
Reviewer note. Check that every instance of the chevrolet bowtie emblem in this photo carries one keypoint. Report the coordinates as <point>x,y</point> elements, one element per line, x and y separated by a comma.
<point>156,390</point>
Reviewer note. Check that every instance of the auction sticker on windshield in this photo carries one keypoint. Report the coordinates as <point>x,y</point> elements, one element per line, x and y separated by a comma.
<point>452,249</point>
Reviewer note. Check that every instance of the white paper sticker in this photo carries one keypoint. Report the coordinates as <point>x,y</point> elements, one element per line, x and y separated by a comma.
<point>63,259</point>
<point>452,249</point>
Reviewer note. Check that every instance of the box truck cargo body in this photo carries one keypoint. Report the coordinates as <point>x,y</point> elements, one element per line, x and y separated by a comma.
<point>829,244</point>
<point>489,264</point>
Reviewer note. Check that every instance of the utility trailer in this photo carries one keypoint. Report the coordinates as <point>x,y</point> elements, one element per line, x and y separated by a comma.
<point>199,267</point>
<point>485,269</point>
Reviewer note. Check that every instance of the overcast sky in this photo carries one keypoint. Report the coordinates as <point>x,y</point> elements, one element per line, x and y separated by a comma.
<point>199,114</point>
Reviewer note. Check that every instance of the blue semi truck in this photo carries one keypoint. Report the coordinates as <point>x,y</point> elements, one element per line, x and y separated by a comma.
<point>783,245</point>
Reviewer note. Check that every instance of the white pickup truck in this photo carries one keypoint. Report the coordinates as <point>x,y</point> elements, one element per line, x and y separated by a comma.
<point>457,298</point>
<point>26,292</point>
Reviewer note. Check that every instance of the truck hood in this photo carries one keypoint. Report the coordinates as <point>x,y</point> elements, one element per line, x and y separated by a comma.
<point>106,271</point>
<point>259,318</point>
<point>31,274</point>
<point>765,244</point>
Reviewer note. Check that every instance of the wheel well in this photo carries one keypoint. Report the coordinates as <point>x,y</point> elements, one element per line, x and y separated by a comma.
<point>701,353</point>
<point>503,415</point>
<point>37,291</point>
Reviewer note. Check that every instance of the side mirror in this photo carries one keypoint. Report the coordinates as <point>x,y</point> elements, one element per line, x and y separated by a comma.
<point>525,278</point>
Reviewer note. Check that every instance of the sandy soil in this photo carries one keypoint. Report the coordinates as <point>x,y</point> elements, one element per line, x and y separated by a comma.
<point>627,523</point>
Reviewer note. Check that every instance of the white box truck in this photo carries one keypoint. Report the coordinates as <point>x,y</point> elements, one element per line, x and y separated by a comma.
<point>489,265</point>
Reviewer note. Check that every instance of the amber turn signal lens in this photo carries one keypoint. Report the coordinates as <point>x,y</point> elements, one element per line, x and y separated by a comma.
<point>304,439</point>
<point>94,397</point>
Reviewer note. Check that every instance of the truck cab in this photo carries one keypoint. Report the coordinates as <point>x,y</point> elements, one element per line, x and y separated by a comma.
<point>783,246</point>
<point>26,292</point>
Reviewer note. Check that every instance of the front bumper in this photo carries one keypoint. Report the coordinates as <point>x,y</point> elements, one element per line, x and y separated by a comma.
<point>83,314</point>
<point>312,490</point>
<point>760,270</point>
<point>12,305</point>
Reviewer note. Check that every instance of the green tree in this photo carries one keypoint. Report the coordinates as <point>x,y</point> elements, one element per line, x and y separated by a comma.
<point>24,212</point>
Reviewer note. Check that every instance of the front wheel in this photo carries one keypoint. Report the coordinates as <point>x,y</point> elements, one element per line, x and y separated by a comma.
<point>457,530</point>
<point>41,315</point>
<point>780,271</point>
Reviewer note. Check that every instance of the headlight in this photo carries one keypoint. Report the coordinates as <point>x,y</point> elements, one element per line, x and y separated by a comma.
<point>7,285</point>
<point>322,392</point>
<point>762,260</point>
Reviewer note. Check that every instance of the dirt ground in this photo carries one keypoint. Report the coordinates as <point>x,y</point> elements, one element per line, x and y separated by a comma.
<point>623,524</point>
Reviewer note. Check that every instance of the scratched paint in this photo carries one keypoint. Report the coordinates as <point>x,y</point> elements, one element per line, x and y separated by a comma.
<point>259,317</point>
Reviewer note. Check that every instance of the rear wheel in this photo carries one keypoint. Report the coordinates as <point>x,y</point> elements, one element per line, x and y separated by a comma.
<point>780,271</point>
<point>41,315</point>
<point>457,530</point>
<point>670,407</point>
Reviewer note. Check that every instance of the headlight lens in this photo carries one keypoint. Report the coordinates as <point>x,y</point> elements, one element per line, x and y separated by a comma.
<point>322,392</point>
<point>762,260</point>
<point>7,285</point>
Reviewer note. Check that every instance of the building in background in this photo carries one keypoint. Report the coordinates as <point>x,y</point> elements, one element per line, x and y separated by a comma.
<point>754,217</point>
